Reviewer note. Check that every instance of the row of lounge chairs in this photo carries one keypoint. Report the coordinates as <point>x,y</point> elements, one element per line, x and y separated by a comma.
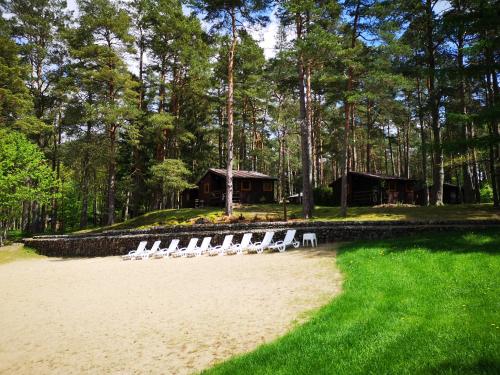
<point>227,247</point>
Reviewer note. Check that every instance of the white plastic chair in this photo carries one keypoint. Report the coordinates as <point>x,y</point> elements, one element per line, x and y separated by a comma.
<point>147,253</point>
<point>221,249</point>
<point>140,249</point>
<point>185,250</point>
<point>246,241</point>
<point>172,248</point>
<point>199,250</point>
<point>289,240</point>
<point>259,247</point>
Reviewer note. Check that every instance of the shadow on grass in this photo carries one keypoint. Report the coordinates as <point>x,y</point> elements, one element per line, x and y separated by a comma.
<point>483,241</point>
<point>482,366</point>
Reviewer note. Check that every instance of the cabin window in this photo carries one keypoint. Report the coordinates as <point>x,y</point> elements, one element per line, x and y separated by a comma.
<point>246,186</point>
<point>267,186</point>
<point>206,187</point>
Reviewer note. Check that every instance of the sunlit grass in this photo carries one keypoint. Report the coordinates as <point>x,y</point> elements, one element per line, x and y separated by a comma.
<point>15,252</point>
<point>415,305</point>
<point>273,212</point>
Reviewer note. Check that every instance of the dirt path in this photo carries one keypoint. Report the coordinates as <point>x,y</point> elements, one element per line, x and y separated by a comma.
<point>176,316</point>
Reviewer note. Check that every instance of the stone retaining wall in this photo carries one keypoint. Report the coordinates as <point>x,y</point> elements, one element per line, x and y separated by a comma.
<point>120,242</point>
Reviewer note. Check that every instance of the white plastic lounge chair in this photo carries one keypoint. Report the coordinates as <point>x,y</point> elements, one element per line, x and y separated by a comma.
<point>172,248</point>
<point>259,247</point>
<point>140,249</point>
<point>288,241</point>
<point>221,249</point>
<point>185,250</point>
<point>147,253</point>
<point>202,249</point>
<point>246,241</point>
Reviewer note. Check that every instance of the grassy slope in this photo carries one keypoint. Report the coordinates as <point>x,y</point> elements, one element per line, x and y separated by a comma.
<point>272,211</point>
<point>415,305</point>
<point>16,251</point>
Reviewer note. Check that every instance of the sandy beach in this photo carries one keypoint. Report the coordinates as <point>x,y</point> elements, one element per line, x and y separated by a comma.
<point>169,316</point>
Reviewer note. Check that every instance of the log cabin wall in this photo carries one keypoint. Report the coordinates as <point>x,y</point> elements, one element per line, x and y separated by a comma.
<point>212,189</point>
<point>369,190</point>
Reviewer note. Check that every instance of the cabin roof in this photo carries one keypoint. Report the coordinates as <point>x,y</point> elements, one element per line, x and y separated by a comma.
<point>379,176</point>
<point>239,174</point>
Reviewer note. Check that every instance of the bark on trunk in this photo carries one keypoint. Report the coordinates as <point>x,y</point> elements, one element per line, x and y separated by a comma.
<point>438,167</point>
<point>305,131</point>
<point>369,127</point>
<point>347,120</point>
<point>230,124</point>
<point>423,143</point>
<point>111,176</point>
<point>468,193</point>
<point>86,178</point>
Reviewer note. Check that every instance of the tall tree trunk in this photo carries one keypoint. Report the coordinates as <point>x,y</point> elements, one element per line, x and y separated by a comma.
<point>369,127</point>
<point>407,148</point>
<point>345,160</point>
<point>438,166</point>
<point>475,172</point>
<point>391,153</point>
<point>468,195</point>
<point>230,123</point>
<point>354,152</point>
<point>423,141</point>
<point>25,216</point>
<point>308,158</point>
<point>347,114</point>
<point>400,153</point>
<point>95,207</point>
<point>86,177</point>
<point>305,130</point>
<point>111,176</point>
<point>137,155</point>
<point>492,146</point>
<point>494,132</point>
<point>162,141</point>
<point>56,169</point>
<point>220,140</point>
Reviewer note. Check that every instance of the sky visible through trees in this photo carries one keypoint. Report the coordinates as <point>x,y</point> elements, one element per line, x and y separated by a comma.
<point>118,96</point>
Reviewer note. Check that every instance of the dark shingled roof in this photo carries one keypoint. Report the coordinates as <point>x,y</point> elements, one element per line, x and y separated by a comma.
<point>377,176</point>
<point>242,174</point>
<point>381,176</point>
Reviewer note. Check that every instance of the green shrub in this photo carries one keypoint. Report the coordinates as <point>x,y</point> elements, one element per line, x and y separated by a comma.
<point>486,193</point>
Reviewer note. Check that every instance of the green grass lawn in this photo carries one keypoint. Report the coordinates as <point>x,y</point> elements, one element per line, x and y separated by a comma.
<point>415,305</point>
<point>15,252</point>
<point>264,212</point>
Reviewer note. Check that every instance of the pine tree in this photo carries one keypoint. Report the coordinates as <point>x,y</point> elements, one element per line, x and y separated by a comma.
<point>103,36</point>
<point>231,15</point>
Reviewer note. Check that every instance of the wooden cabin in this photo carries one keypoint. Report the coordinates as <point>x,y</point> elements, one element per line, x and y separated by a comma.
<point>248,187</point>
<point>368,189</point>
<point>452,194</point>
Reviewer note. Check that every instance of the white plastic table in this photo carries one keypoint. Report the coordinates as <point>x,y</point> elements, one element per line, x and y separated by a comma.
<point>311,238</point>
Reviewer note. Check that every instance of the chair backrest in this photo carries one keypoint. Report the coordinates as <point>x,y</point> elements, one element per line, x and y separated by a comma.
<point>290,235</point>
<point>205,243</point>
<point>173,245</point>
<point>156,246</point>
<point>245,241</point>
<point>268,237</point>
<point>227,241</point>
<point>142,246</point>
<point>192,244</point>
